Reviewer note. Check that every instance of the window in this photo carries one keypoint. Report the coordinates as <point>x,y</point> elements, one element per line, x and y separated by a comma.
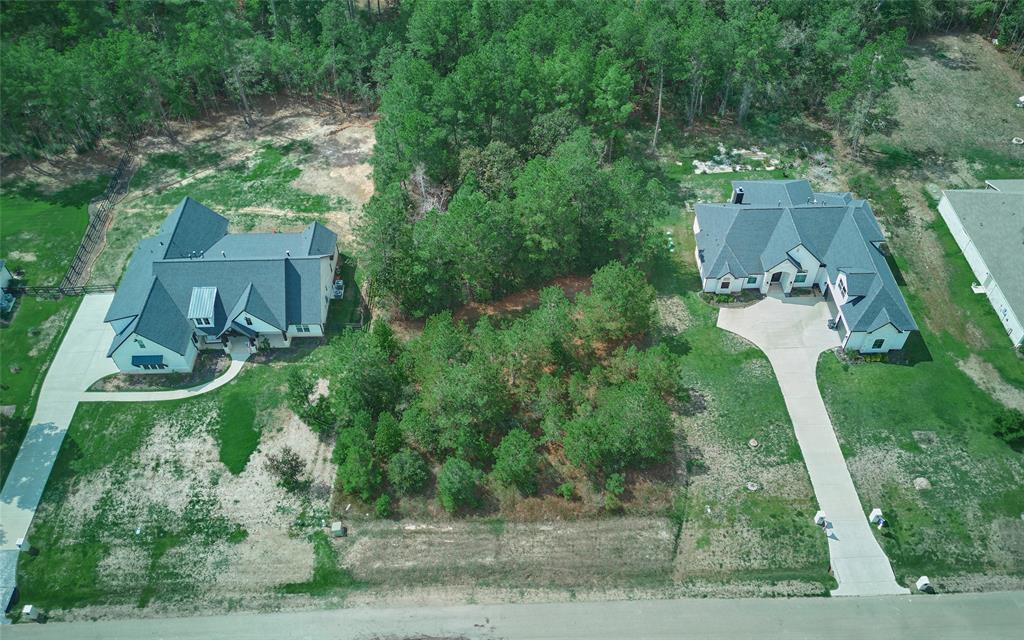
<point>248,321</point>
<point>195,339</point>
<point>153,366</point>
<point>302,328</point>
<point>801,277</point>
<point>752,280</point>
<point>203,322</point>
<point>724,284</point>
<point>842,287</point>
<point>878,344</point>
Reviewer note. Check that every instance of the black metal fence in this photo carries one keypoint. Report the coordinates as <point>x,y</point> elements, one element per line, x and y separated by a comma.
<point>92,242</point>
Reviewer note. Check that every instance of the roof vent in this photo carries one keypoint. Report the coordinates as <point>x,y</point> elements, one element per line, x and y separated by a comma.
<point>223,255</point>
<point>287,252</point>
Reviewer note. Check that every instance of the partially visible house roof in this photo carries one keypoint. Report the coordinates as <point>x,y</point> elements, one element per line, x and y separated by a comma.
<point>1011,186</point>
<point>779,215</point>
<point>193,268</point>
<point>994,220</point>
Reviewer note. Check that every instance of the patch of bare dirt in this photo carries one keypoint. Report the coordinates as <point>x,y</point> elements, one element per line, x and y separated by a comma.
<point>673,316</point>
<point>44,335</point>
<point>988,379</point>
<point>22,256</point>
<point>521,301</point>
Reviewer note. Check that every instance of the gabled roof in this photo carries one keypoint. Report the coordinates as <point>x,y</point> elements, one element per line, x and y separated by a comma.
<point>777,216</point>
<point>193,266</point>
<point>191,229</point>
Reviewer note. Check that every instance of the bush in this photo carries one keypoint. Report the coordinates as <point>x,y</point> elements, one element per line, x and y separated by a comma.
<point>620,303</point>
<point>614,487</point>
<point>1009,427</point>
<point>382,506</point>
<point>567,490</point>
<point>630,425</point>
<point>357,470</point>
<point>516,462</point>
<point>407,472</point>
<point>387,439</point>
<point>457,485</point>
<point>289,469</point>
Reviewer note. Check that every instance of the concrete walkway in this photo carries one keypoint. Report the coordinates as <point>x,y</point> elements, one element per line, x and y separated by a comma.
<point>239,354</point>
<point>970,616</point>
<point>80,361</point>
<point>792,332</point>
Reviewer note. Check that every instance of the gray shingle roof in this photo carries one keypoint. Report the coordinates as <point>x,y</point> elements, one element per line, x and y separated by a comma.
<point>841,232</point>
<point>994,220</point>
<point>275,277</point>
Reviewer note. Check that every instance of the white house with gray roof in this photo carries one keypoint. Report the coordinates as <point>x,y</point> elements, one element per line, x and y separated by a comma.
<point>193,286</point>
<point>779,233</point>
<point>988,225</point>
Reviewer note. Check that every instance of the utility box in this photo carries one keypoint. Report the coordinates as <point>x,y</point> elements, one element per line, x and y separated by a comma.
<point>819,519</point>
<point>924,585</point>
<point>338,530</point>
<point>876,516</point>
<point>30,612</point>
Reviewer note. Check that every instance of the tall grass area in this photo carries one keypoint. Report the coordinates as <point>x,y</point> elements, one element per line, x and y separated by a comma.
<point>263,182</point>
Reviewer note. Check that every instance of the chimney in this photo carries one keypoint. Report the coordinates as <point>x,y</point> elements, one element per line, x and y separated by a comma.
<point>287,252</point>
<point>737,195</point>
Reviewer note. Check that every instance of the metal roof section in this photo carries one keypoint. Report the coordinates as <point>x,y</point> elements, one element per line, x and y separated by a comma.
<point>201,303</point>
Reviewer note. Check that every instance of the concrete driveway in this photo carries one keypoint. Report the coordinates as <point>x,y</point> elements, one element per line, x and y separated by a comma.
<point>792,332</point>
<point>81,360</point>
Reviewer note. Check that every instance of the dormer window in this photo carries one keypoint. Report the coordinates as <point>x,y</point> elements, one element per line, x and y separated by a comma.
<point>842,287</point>
<point>203,322</point>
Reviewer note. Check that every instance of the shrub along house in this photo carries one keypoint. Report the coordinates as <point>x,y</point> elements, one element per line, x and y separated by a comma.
<point>194,286</point>
<point>779,233</point>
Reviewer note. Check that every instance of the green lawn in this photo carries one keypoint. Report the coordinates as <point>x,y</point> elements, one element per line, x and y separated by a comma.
<point>40,232</point>
<point>27,347</point>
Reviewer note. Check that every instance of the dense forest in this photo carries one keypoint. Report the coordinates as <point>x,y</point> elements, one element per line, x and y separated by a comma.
<point>499,158</point>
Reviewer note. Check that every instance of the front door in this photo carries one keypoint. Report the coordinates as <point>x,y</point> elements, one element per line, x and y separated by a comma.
<point>776,277</point>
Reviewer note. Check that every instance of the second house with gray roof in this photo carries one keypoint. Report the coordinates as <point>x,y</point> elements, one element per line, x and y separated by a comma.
<point>194,286</point>
<point>779,233</point>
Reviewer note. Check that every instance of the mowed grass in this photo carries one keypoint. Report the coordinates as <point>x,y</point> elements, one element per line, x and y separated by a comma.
<point>40,232</point>
<point>27,347</point>
<point>328,575</point>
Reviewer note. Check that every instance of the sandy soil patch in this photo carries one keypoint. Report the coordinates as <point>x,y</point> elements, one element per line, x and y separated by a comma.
<point>22,256</point>
<point>44,335</point>
<point>673,315</point>
<point>988,379</point>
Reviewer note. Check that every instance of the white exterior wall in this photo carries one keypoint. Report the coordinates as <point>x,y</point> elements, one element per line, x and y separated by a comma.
<point>1012,324</point>
<point>5,277</point>
<point>326,284</point>
<point>862,341</point>
<point>787,269</point>
<point>714,285</point>
<point>259,326</point>
<point>175,361</point>
<point>809,264</point>
<point>315,331</point>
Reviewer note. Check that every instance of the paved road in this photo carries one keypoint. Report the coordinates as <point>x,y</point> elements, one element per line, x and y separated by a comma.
<point>793,332</point>
<point>991,616</point>
<point>81,360</point>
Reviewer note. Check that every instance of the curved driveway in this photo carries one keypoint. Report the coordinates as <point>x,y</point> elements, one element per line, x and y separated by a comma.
<point>81,360</point>
<point>792,332</point>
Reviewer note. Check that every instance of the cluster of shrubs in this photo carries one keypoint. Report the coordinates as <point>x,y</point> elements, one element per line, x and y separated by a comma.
<point>465,409</point>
